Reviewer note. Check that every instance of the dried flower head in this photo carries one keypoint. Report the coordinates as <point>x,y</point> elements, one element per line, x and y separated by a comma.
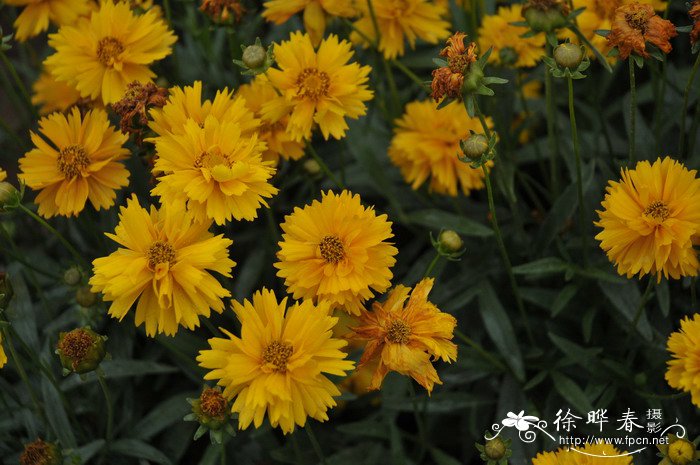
<point>80,350</point>
<point>41,452</point>
<point>448,80</point>
<point>695,16</point>
<point>222,11</point>
<point>134,105</point>
<point>635,25</point>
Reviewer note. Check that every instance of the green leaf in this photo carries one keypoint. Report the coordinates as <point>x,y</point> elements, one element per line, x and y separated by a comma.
<point>121,369</point>
<point>442,458</point>
<point>543,266</point>
<point>88,451</point>
<point>368,428</point>
<point>56,414</point>
<point>139,449</point>
<point>438,219</point>
<point>581,355</point>
<point>500,329</point>
<point>572,393</point>
<point>163,415</point>
<point>563,299</point>
<point>398,454</point>
<point>663,297</point>
<point>625,299</point>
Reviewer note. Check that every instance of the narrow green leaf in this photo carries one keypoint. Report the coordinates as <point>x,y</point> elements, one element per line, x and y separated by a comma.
<point>575,352</point>
<point>543,266</point>
<point>563,299</point>
<point>88,451</point>
<point>163,415</point>
<point>139,449</point>
<point>572,393</point>
<point>56,414</point>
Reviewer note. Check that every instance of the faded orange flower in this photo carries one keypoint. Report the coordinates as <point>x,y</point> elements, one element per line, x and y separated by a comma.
<point>223,10</point>
<point>134,105</point>
<point>695,16</point>
<point>448,80</point>
<point>635,25</point>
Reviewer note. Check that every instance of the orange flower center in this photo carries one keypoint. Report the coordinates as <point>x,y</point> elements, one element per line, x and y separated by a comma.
<point>212,403</point>
<point>160,252</point>
<point>657,210</point>
<point>332,249</point>
<point>72,160</point>
<point>276,355</point>
<point>637,20</point>
<point>211,158</point>
<point>108,49</point>
<point>36,453</point>
<point>398,332</point>
<point>75,345</point>
<point>313,84</point>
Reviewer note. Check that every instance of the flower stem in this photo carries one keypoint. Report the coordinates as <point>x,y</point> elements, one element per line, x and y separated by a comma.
<point>323,166</point>
<point>314,443</point>
<point>395,104</point>
<point>686,96</point>
<point>411,75</point>
<point>110,409</point>
<point>420,422</point>
<point>642,303</point>
<point>480,350</point>
<point>551,136</point>
<point>375,24</point>
<point>579,181</point>
<point>633,113</point>
<point>434,262</point>
<point>77,255</point>
<point>223,452</point>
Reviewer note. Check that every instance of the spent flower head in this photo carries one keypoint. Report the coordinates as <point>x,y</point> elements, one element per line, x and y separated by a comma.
<point>80,350</point>
<point>41,452</point>
<point>223,11</point>
<point>212,411</point>
<point>133,107</point>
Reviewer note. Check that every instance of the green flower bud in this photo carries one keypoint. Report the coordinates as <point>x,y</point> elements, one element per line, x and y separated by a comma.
<point>473,78</point>
<point>450,242</point>
<point>568,55</point>
<point>211,409</point>
<point>10,197</point>
<point>72,276</point>
<point>254,56</point>
<point>545,15</point>
<point>85,297</point>
<point>312,167</point>
<point>495,449</point>
<point>40,452</point>
<point>475,146</point>
<point>81,350</point>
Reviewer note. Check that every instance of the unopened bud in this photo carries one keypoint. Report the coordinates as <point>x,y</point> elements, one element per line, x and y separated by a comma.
<point>81,350</point>
<point>254,56</point>
<point>312,167</point>
<point>569,55</point>
<point>41,452</point>
<point>9,197</point>
<point>495,449</point>
<point>85,297</point>
<point>450,242</point>
<point>475,146</point>
<point>545,15</point>
<point>72,276</point>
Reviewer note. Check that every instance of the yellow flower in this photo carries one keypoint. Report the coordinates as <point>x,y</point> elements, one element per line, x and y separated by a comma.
<point>76,160</point>
<point>684,368</point>
<point>509,48</point>
<point>650,220</point>
<point>547,458</point>
<point>215,170</point>
<point>273,133</point>
<point>279,364</point>
<point>186,103</point>
<point>164,262</point>
<point>590,454</point>
<point>401,20</point>
<point>316,13</point>
<point>52,95</point>
<point>425,147</point>
<point>3,174</point>
<point>36,15</point>
<point>319,86</point>
<point>101,54</point>
<point>335,251</point>
<point>404,336</point>
<point>3,357</point>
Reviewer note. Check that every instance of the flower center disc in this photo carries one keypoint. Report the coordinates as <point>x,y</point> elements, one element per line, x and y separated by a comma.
<point>313,83</point>
<point>72,160</point>
<point>108,49</point>
<point>657,210</point>
<point>276,355</point>
<point>212,158</point>
<point>332,249</point>
<point>398,332</point>
<point>160,252</point>
<point>637,20</point>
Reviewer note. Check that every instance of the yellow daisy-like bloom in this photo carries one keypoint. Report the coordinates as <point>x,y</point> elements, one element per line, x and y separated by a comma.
<point>273,133</point>
<point>509,48</point>
<point>405,335</point>
<point>425,147</point>
<point>318,86</point>
<point>316,13</point>
<point>37,14</point>
<point>215,170</point>
<point>52,95</point>
<point>99,56</point>
<point>590,454</point>
<point>76,160</point>
<point>650,220</point>
<point>279,364</point>
<point>336,251</point>
<point>165,262</point>
<point>547,458</point>
<point>684,368</point>
<point>399,21</point>
<point>186,104</point>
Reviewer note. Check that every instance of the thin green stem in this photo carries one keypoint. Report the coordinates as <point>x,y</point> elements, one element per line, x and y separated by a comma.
<point>684,114</point>
<point>223,452</point>
<point>323,166</point>
<point>77,255</point>
<point>420,422</point>
<point>110,408</point>
<point>18,83</point>
<point>579,177</point>
<point>633,114</point>
<point>411,75</point>
<point>395,104</point>
<point>642,303</point>
<point>20,370</point>
<point>551,136</point>
<point>314,443</point>
<point>375,24</point>
<point>480,350</point>
<point>432,264</point>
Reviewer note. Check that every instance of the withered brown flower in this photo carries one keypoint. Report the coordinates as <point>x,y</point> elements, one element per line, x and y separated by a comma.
<point>223,10</point>
<point>133,107</point>
<point>695,16</point>
<point>448,80</point>
<point>635,25</point>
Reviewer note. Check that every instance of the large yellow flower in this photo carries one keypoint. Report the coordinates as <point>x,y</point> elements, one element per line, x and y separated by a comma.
<point>404,336</point>
<point>316,13</point>
<point>52,95</point>
<point>99,56</point>
<point>319,86</point>
<point>590,454</point>
<point>336,251</point>
<point>399,21</point>
<point>650,220</point>
<point>272,132</point>
<point>164,262</point>
<point>425,147</point>
<point>186,103</point>
<point>509,48</point>
<point>76,160</point>
<point>684,368</point>
<point>216,171</point>
<point>36,15</point>
<point>279,364</point>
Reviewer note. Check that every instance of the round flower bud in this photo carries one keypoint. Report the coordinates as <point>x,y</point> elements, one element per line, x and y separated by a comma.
<point>474,146</point>
<point>254,56</point>
<point>41,452</point>
<point>72,276</point>
<point>473,78</point>
<point>9,197</point>
<point>211,409</point>
<point>495,449</point>
<point>312,167</point>
<point>569,55</point>
<point>85,297</point>
<point>545,15</point>
<point>81,350</point>
<point>6,291</point>
<point>450,241</point>
<point>681,452</point>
